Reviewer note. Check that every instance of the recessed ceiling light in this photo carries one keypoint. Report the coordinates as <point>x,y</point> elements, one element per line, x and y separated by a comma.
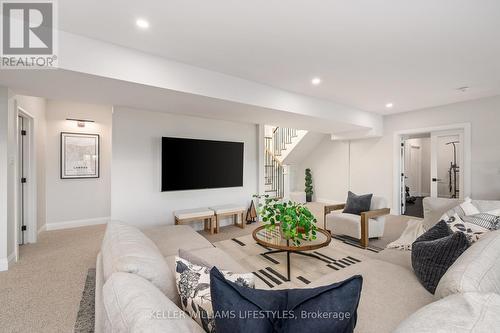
<point>142,23</point>
<point>389,105</point>
<point>316,81</point>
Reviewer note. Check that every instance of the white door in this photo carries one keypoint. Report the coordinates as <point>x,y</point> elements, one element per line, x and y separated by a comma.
<point>413,166</point>
<point>447,164</point>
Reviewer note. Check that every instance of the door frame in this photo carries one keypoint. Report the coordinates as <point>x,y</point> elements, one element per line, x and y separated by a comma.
<point>31,174</point>
<point>397,170</point>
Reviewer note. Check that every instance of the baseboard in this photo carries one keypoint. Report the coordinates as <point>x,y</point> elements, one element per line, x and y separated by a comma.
<point>76,223</point>
<point>5,262</point>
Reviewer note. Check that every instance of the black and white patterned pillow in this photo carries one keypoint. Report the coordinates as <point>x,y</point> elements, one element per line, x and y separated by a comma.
<point>472,231</point>
<point>193,284</point>
<point>485,220</point>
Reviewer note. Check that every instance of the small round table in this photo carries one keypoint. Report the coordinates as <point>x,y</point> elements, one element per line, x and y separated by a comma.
<point>275,240</point>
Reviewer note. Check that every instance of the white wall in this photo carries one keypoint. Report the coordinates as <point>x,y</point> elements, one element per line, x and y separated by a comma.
<point>136,170</point>
<point>4,171</point>
<point>71,202</point>
<point>329,164</point>
<point>372,159</point>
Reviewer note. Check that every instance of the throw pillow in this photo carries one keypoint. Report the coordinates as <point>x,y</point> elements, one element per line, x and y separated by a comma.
<point>357,204</point>
<point>468,208</point>
<point>472,231</point>
<point>193,283</point>
<point>434,252</point>
<point>324,309</point>
<point>484,220</point>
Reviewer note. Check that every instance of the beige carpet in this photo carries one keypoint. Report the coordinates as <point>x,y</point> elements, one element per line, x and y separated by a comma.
<point>42,292</point>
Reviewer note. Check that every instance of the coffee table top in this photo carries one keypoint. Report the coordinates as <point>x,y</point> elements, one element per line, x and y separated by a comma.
<point>273,239</point>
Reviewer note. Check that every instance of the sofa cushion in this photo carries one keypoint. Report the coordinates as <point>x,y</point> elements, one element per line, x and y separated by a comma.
<point>292,310</point>
<point>434,208</point>
<point>434,252</point>
<point>134,305</point>
<point>126,249</point>
<point>470,312</point>
<point>193,284</point>
<point>476,270</point>
<point>384,286</point>
<point>357,204</point>
<point>170,238</point>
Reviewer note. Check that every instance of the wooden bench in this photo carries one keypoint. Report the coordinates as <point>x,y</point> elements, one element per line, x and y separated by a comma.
<point>206,215</point>
<point>237,212</point>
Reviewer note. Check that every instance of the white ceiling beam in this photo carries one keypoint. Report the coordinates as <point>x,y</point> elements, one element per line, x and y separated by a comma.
<point>89,56</point>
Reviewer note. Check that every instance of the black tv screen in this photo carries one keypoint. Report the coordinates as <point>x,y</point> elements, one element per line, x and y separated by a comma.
<point>189,164</point>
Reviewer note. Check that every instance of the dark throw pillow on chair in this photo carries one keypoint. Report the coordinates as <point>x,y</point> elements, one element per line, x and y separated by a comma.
<point>357,204</point>
<point>434,252</point>
<point>320,310</point>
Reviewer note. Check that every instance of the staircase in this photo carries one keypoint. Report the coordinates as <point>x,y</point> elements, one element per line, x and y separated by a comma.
<point>275,145</point>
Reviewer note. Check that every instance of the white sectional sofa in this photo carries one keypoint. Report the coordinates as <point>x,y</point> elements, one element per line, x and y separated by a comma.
<point>130,287</point>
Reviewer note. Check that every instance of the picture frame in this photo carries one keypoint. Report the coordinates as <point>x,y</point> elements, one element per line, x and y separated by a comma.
<point>80,155</point>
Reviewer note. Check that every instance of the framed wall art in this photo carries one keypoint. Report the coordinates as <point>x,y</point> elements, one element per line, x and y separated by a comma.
<point>79,155</point>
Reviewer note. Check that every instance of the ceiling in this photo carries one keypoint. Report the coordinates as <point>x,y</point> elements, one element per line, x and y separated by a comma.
<point>414,54</point>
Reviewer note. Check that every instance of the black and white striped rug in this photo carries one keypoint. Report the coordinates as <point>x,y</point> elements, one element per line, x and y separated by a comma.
<point>271,269</point>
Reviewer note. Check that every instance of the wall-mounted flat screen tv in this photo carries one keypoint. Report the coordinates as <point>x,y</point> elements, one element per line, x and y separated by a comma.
<point>189,164</point>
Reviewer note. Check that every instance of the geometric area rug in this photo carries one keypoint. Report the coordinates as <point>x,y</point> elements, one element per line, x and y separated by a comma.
<point>271,269</point>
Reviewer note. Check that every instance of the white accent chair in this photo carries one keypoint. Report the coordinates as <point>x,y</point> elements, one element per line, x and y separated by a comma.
<point>369,225</point>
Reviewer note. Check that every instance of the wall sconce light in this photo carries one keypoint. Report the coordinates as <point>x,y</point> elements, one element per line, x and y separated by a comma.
<point>80,122</point>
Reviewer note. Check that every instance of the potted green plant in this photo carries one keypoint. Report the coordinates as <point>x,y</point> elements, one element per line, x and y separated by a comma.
<point>309,186</point>
<point>295,220</point>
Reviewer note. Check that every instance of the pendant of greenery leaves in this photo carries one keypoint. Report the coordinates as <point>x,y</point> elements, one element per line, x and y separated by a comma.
<point>296,221</point>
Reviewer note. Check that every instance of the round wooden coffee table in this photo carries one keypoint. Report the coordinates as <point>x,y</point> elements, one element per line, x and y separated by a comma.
<point>274,240</point>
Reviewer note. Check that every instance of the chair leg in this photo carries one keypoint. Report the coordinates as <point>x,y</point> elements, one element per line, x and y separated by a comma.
<point>242,221</point>
<point>364,231</point>
<point>217,226</point>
